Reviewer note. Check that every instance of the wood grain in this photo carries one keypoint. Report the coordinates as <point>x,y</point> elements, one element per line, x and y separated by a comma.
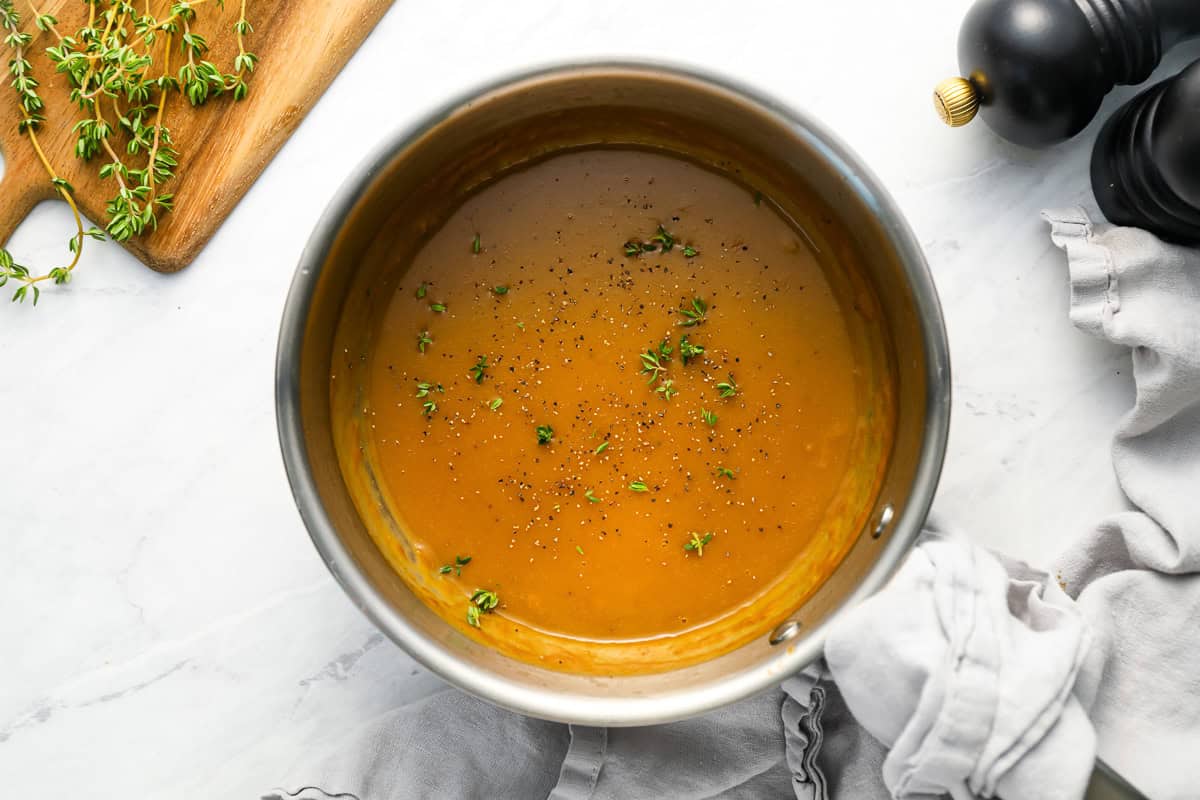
<point>224,145</point>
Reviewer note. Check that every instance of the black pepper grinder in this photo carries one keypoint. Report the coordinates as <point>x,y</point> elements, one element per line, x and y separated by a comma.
<point>1146,164</point>
<point>1036,73</point>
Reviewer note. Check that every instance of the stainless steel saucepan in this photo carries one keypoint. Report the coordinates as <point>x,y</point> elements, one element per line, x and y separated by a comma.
<point>421,172</point>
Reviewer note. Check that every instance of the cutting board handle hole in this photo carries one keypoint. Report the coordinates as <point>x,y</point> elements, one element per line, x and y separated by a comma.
<point>19,193</point>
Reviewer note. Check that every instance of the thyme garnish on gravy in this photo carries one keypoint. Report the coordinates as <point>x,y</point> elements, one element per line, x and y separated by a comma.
<point>482,602</point>
<point>694,315</point>
<point>424,392</point>
<point>456,567</point>
<point>697,543</point>
<point>688,351</point>
<point>478,369</point>
<point>653,364</point>
<point>662,241</point>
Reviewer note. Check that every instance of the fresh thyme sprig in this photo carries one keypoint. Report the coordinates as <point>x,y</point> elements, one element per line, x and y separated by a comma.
<point>424,390</point>
<point>654,362</point>
<point>695,315</point>
<point>728,388</point>
<point>708,416</point>
<point>456,567</point>
<point>482,602</point>
<point>698,543</point>
<point>688,351</point>
<point>544,434</point>
<point>667,389</point>
<point>423,339</point>
<point>121,79</point>
<point>638,486</point>
<point>478,369</point>
<point>662,241</point>
<point>30,105</point>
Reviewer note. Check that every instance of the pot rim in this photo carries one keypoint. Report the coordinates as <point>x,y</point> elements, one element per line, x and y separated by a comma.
<point>560,705</point>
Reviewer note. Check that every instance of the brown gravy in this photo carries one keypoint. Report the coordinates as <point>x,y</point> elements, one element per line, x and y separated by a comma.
<point>641,535</point>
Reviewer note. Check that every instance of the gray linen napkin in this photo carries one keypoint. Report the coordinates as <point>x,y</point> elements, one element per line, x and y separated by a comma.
<point>451,745</point>
<point>968,709</point>
<point>1136,576</point>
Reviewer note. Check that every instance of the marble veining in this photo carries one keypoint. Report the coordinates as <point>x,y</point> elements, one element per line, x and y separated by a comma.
<point>168,629</point>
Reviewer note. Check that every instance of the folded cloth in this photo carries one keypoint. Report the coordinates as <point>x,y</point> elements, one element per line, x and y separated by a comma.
<point>986,662</point>
<point>965,666</point>
<point>803,734</point>
<point>976,670</point>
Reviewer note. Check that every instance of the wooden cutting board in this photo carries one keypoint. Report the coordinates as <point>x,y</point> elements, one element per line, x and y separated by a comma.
<point>224,145</point>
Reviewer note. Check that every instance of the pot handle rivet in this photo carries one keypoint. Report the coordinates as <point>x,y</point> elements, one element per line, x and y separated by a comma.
<point>785,631</point>
<point>885,519</point>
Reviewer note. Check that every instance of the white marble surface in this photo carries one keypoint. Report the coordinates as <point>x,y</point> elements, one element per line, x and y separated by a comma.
<point>168,630</point>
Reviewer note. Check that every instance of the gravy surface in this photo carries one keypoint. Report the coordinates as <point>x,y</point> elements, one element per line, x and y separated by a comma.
<point>769,496</point>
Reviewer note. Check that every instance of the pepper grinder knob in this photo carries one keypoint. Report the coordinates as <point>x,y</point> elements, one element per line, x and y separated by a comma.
<point>956,101</point>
